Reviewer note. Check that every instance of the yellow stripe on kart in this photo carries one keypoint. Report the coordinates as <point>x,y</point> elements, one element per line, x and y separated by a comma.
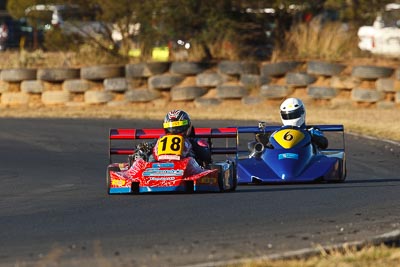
<point>288,138</point>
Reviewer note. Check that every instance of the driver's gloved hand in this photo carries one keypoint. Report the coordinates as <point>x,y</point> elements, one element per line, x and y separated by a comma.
<point>315,131</point>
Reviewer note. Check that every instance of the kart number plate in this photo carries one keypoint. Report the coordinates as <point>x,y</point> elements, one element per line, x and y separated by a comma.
<point>288,138</point>
<point>170,145</point>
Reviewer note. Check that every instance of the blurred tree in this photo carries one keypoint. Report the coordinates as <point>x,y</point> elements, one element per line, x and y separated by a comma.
<point>16,8</point>
<point>357,11</point>
<point>133,23</point>
<point>217,29</point>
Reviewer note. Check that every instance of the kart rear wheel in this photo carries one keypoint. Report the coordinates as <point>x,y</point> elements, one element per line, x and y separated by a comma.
<point>108,180</point>
<point>221,182</point>
<point>234,178</point>
<point>343,173</point>
<point>220,176</point>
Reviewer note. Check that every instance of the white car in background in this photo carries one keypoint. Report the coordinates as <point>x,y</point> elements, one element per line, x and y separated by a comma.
<point>383,37</point>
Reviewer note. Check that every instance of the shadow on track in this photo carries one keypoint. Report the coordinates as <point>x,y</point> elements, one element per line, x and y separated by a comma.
<point>320,186</point>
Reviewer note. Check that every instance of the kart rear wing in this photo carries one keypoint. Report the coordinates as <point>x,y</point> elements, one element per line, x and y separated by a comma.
<point>230,135</point>
<point>272,128</point>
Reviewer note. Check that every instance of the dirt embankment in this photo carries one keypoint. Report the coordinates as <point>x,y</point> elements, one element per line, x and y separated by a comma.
<point>382,123</point>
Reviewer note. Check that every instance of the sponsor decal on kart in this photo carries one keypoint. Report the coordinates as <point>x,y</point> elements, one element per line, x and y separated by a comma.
<point>137,167</point>
<point>169,157</point>
<point>118,183</point>
<point>288,156</point>
<point>207,180</point>
<point>162,178</point>
<point>158,172</point>
<point>163,165</point>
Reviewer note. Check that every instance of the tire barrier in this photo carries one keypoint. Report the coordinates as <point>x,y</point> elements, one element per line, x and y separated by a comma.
<point>252,83</point>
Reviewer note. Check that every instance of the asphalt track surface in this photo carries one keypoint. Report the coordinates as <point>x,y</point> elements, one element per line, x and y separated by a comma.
<point>54,210</point>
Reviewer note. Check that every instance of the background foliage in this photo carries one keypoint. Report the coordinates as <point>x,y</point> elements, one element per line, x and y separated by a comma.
<point>223,29</point>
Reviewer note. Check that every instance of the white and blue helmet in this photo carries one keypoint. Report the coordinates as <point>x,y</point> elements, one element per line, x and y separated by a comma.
<point>293,112</point>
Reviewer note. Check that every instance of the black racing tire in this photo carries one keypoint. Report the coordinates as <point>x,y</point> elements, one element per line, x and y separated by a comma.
<point>220,176</point>
<point>249,67</point>
<point>187,93</point>
<point>57,74</point>
<point>145,70</point>
<point>324,68</point>
<point>371,72</point>
<point>108,180</point>
<point>102,72</point>
<point>234,177</point>
<point>342,178</point>
<point>206,102</point>
<point>188,68</point>
<point>141,95</point>
<point>230,67</point>
<point>231,91</point>
<point>275,91</point>
<point>119,84</point>
<point>220,180</point>
<point>209,79</point>
<point>279,68</point>
<point>299,79</point>
<point>321,92</point>
<point>77,85</point>
<point>18,75</point>
<point>265,79</point>
<point>251,80</point>
<point>165,81</point>
<point>366,95</point>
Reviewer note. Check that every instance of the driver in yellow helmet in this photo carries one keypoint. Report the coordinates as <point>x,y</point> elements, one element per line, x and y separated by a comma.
<point>177,122</point>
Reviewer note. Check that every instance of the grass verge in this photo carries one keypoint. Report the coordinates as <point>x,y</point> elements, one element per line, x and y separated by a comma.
<point>381,123</point>
<point>367,257</point>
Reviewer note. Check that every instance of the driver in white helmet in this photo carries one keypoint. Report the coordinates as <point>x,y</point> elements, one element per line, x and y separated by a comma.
<point>293,113</point>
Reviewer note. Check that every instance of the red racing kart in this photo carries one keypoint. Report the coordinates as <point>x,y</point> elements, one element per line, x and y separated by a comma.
<point>170,173</point>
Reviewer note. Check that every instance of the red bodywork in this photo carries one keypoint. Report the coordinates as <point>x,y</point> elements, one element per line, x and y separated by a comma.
<point>167,175</point>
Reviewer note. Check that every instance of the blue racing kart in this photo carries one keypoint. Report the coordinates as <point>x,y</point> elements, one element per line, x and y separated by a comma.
<point>290,157</point>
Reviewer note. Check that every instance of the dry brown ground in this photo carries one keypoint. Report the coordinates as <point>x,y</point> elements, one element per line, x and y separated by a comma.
<point>383,123</point>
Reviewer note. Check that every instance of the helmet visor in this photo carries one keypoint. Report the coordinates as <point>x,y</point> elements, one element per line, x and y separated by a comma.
<point>291,115</point>
<point>172,124</point>
<point>176,126</point>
